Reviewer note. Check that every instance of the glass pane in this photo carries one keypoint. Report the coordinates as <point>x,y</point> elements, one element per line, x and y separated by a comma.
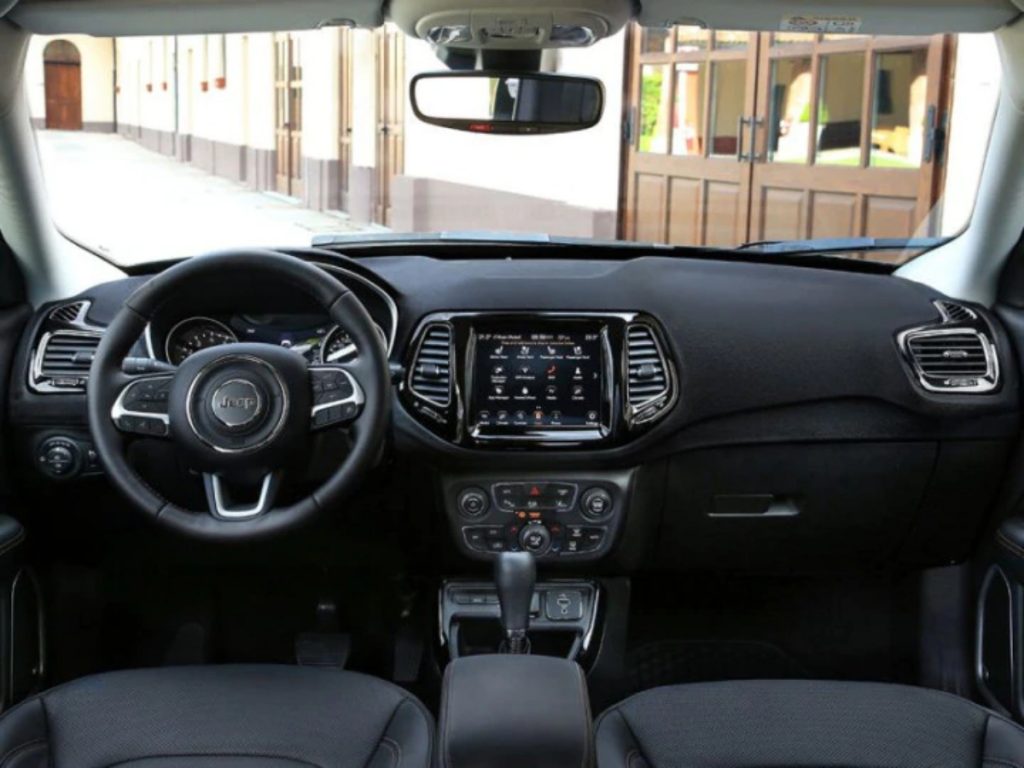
<point>688,118</point>
<point>840,99</point>
<point>656,40</point>
<point>655,99</point>
<point>692,39</point>
<point>728,84</point>
<point>731,40</point>
<point>792,38</point>
<point>789,110</point>
<point>899,110</point>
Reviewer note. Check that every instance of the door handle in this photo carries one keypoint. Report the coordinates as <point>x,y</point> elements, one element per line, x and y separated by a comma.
<point>741,121</point>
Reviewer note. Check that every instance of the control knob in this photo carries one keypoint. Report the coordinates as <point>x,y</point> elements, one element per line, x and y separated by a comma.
<point>535,538</point>
<point>596,503</point>
<point>472,502</point>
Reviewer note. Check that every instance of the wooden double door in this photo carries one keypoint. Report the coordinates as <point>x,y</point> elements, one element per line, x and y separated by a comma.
<point>735,137</point>
<point>288,115</point>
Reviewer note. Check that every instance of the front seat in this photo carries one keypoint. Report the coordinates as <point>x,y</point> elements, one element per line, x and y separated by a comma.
<point>804,724</point>
<point>219,717</point>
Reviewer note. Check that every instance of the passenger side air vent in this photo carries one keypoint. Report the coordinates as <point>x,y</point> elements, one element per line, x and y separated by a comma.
<point>62,360</point>
<point>957,355</point>
<point>431,374</point>
<point>649,387</point>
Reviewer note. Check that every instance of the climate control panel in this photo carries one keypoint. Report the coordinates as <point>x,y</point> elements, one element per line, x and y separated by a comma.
<point>560,517</point>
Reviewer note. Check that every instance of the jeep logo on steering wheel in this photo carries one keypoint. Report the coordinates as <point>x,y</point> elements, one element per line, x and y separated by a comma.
<point>236,403</point>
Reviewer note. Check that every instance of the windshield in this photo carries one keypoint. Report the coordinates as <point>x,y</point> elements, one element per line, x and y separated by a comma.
<point>164,147</point>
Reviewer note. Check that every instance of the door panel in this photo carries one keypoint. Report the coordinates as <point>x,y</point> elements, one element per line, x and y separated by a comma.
<point>288,115</point>
<point>63,86</point>
<point>390,117</point>
<point>689,91</point>
<point>780,136</point>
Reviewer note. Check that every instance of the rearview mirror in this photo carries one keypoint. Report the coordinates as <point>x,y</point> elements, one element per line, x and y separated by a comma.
<point>505,102</point>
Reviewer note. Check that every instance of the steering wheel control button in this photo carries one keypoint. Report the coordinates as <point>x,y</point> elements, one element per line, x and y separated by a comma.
<point>142,407</point>
<point>535,538</point>
<point>596,503</point>
<point>563,605</point>
<point>337,398</point>
<point>237,404</point>
<point>472,502</point>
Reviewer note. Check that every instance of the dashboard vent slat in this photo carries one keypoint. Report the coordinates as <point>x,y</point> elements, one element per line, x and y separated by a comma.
<point>70,314</point>
<point>647,376</point>
<point>431,375</point>
<point>953,312</point>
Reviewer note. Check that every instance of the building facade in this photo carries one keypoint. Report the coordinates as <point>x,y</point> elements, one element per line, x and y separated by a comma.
<point>707,138</point>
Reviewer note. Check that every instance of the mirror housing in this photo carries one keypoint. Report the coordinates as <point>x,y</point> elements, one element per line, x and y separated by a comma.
<point>499,102</point>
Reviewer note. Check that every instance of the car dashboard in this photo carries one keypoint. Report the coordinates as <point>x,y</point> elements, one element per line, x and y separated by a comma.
<point>645,412</point>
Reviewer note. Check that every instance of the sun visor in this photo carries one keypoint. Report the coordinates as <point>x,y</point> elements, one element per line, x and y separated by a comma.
<point>873,17</point>
<point>187,17</point>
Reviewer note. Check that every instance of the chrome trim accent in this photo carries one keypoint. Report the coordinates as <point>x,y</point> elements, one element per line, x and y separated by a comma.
<point>351,347</point>
<point>285,404</point>
<point>589,634</point>
<point>384,295</point>
<point>36,380</point>
<point>118,410</point>
<point>170,333</point>
<point>357,396</point>
<point>239,513</point>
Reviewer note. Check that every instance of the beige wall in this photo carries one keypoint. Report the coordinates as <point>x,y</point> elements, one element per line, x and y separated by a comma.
<point>97,79</point>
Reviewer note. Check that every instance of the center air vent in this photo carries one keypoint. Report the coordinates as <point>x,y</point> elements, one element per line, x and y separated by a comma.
<point>649,378</point>
<point>431,374</point>
<point>62,361</point>
<point>956,355</point>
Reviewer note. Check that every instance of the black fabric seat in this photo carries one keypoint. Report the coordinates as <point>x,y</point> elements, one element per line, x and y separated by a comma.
<point>797,724</point>
<point>219,717</point>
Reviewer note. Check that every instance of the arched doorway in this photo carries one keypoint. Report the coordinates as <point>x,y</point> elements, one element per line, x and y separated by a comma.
<point>62,78</point>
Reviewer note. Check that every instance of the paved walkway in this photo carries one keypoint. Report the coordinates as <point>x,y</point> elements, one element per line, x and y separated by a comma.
<point>136,205</point>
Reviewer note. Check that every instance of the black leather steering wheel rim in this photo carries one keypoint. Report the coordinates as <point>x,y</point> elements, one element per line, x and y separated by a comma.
<point>107,380</point>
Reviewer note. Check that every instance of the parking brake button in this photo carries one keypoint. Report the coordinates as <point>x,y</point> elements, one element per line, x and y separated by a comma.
<point>564,605</point>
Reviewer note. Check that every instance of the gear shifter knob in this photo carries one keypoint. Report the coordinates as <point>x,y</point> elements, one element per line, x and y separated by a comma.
<point>515,573</point>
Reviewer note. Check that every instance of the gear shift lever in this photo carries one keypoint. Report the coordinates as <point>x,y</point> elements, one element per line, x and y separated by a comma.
<point>515,573</point>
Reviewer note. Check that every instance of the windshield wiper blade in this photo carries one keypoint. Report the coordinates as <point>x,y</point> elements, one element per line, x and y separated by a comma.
<point>844,244</point>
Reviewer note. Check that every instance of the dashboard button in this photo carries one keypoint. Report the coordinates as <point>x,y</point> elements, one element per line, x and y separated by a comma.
<point>472,502</point>
<point>535,538</point>
<point>596,503</point>
<point>564,605</point>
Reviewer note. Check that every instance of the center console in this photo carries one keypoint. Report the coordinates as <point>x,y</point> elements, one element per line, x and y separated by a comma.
<point>541,380</point>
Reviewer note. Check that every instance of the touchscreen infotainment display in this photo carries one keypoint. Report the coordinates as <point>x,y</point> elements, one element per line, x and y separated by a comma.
<point>547,377</point>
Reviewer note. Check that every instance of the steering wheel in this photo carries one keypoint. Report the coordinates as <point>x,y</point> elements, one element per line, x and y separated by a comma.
<point>239,413</point>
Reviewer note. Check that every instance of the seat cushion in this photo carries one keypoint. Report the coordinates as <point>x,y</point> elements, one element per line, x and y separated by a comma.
<point>219,717</point>
<point>792,724</point>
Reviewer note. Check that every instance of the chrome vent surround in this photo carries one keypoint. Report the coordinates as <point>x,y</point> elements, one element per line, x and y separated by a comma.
<point>61,361</point>
<point>956,355</point>
<point>430,377</point>
<point>649,385</point>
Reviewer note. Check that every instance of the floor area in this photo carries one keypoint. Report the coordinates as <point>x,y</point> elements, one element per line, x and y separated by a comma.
<point>135,205</point>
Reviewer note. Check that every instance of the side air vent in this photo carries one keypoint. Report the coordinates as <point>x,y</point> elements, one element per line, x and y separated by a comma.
<point>62,359</point>
<point>955,313</point>
<point>431,374</point>
<point>649,377</point>
<point>70,314</point>
<point>954,356</point>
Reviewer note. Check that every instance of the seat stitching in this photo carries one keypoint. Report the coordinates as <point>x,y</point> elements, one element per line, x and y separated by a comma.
<point>1001,761</point>
<point>20,748</point>
<point>384,732</point>
<point>271,755</point>
<point>632,735</point>
<point>387,741</point>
